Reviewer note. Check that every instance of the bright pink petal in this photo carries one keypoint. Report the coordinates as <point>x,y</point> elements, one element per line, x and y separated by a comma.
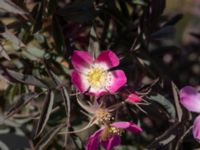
<point>111,142</point>
<point>190,98</point>
<point>196,128</point>
<point>117,81</point>
<point>81,59</point>
<point>134,128</point>
<point>109,58</point>
<point>129,95</point>
<point>93,141</point>
<point>78,82</point>
<point>128,126</point>
<point>133,98</point>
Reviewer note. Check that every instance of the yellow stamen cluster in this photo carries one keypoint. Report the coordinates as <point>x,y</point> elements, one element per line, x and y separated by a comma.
<point>108,131</point>
<point>103,116</point>
<point>115,131</point>
<point>97,77</point>
<point>105,134</point>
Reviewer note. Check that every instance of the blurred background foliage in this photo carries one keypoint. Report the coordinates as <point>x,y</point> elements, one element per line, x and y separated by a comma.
<point>157,41</point>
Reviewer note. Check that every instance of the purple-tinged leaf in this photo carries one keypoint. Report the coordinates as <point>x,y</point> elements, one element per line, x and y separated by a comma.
<point>167,32</point>
<point>165,103</point>
<point>48,137</point>
<point>38,16</point>
<point>168,136</point>
<point>23,100</point>
<point>58,35</point>
<point>82,11</point>
<point>179,142</point>
<point>93,47</point>
<point>65,97</point>
<point>77,142</point>
<point>26,79</point>
<point>179,111</point>
<point>174,19</point>
<point>46,111</point>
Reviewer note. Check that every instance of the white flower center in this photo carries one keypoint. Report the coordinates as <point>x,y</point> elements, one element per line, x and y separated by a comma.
<point>97,77</point>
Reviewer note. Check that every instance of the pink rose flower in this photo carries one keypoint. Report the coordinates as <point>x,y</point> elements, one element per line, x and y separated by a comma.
<point>94,76</point>
<point>190,99</point>
<point>109,136</point>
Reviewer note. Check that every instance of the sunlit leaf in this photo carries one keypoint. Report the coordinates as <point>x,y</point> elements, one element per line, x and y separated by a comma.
<point>9,6</point>
<point>3,53</point>
<point>13,40</point>
<point>35,50</point>
<point>139,2</point>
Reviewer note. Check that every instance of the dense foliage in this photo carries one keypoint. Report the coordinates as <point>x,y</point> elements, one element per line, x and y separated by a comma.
<point>40,108</point>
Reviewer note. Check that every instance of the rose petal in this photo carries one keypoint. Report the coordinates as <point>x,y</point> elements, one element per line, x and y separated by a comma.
<point>133,98</point>
<point>79,82</point>
<point>93,141</point>
<point>118,79</point>
<point>190,98</point>
<point>81,59</point>
<point>196,128</point>
<point>109,58</point>
<point>111,142</point>
<point>134,128</point>
<point>128,126</point>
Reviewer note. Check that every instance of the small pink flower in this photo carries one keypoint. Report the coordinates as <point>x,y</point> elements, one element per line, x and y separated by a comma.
<point>94,75</point>
<point>133,98</point>
<point>129,95</point>
<point>190,99</point>
<point>109,136</point>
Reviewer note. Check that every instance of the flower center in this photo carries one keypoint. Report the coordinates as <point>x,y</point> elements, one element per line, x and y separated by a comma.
<point>103,115</point>
<point>115,131</point>
<point>97,77</point>
<point>109,131</point>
